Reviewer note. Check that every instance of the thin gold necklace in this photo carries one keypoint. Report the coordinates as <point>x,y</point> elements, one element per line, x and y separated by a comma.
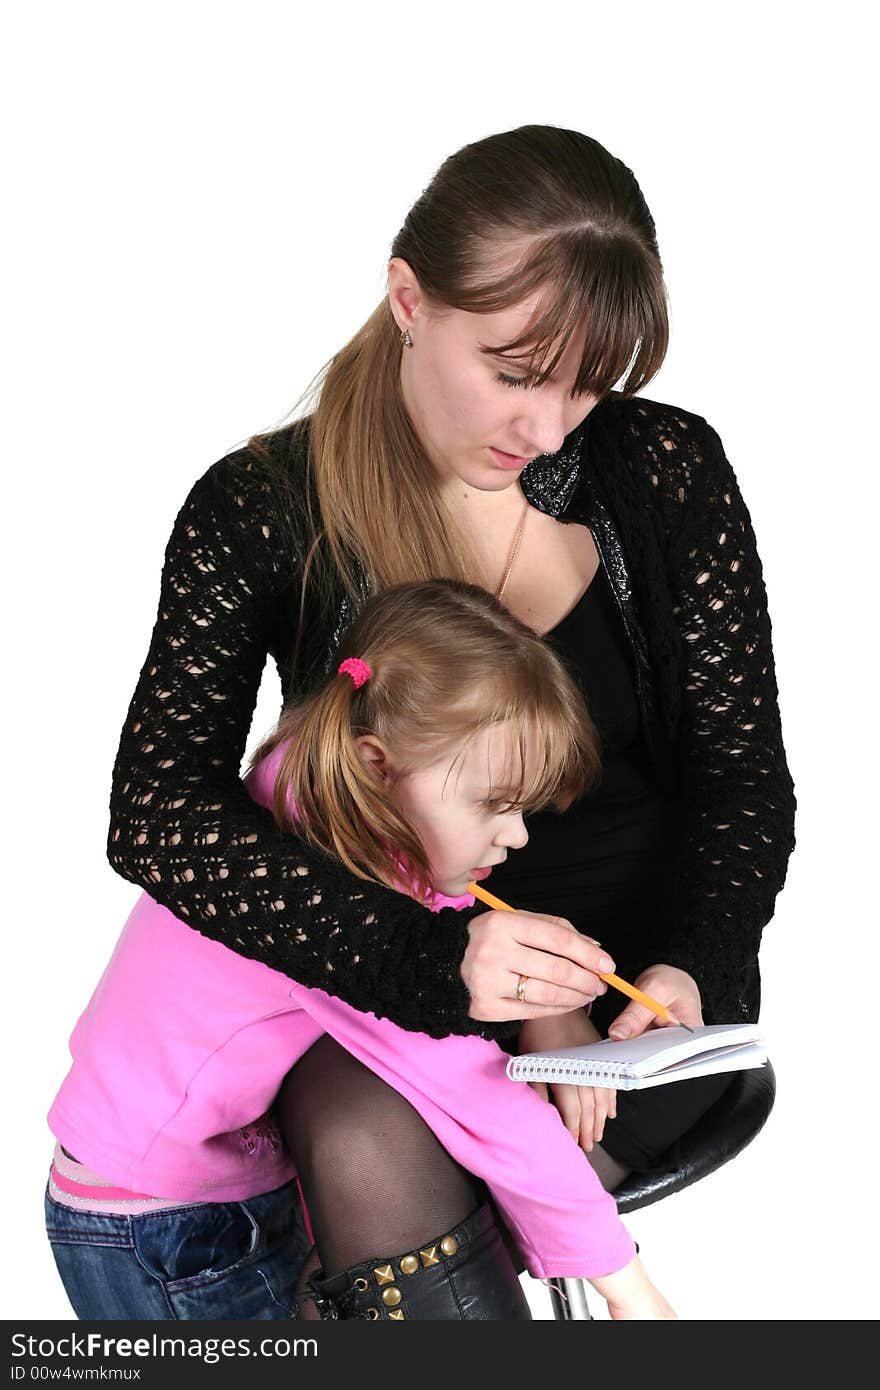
<point>514,549</point>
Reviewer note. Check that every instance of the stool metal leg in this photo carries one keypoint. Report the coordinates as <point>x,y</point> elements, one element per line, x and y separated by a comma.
<point>568,1299</point>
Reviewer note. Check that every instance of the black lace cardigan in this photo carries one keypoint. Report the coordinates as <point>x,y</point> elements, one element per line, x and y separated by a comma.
<point>676,537</point>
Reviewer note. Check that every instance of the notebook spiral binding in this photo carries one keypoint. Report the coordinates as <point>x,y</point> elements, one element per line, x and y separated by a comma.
<point>570,1072</point>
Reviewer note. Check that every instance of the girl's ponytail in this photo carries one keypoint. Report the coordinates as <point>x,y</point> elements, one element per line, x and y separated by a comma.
<point>328,794</point>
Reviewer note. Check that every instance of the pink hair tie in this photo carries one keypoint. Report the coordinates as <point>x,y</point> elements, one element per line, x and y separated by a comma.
<point>359,671</point>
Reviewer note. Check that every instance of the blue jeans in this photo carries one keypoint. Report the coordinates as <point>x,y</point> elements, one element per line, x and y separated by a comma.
<point>205,1261</point>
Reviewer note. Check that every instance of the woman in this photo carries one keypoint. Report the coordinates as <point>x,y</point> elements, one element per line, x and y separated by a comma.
<point>471,428</point>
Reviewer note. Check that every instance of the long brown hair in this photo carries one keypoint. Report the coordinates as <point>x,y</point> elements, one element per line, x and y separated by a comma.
<point>578,218</point>
<point>448,660</point>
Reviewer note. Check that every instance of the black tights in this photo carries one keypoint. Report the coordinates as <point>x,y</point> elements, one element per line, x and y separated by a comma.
<point>376,1181</point>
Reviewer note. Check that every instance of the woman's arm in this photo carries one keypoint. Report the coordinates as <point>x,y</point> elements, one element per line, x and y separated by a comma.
<point>184,828</point>
<point>182,825</point>
<point>738,798</point>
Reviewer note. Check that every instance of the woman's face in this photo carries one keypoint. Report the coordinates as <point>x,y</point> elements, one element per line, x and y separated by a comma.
<point>461,407</point>
<point>458,808</point>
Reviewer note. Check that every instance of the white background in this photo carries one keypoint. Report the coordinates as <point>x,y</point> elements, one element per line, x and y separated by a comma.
<point>201,201</point>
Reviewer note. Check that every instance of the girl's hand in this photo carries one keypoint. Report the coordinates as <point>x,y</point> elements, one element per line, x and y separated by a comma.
<point>630,1294</point>
<point>584,1109</point>
<point>668,985</point>
<point>560,965</point>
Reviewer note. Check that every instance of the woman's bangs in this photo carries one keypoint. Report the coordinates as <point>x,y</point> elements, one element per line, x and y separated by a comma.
<point>594,282</point>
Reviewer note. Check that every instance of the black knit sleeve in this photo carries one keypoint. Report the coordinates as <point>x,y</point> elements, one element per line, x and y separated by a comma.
<point>737,792</point>
<point>184,828</point>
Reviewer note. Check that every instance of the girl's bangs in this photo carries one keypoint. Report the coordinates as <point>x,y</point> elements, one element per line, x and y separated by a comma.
<point>549,735</point>
<point>552,767</point>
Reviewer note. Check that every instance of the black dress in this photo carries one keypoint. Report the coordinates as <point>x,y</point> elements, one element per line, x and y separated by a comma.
<point>599,864</point>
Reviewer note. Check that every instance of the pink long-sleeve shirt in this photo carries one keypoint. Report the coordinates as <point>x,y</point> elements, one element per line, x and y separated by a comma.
<point>184,1045</point>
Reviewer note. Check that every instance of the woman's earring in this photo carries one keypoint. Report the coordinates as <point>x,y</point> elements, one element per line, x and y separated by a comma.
<point>405,337</point>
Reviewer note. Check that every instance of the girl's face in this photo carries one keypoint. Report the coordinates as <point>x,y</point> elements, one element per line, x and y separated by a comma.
<point>458,811</point>
<point>461,400</point>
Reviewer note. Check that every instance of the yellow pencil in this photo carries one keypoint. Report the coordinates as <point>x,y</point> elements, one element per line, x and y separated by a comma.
<point>614,980</point>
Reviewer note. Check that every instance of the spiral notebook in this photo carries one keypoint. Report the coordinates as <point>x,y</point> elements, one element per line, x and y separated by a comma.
<point>653,1059</point>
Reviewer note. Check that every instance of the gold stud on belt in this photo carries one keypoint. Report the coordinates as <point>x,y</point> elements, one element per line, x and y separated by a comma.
<point>427,1257</point>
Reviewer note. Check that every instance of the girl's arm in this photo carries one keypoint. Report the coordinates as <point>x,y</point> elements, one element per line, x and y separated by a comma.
<point>583,1109</point>
<point>737,793</point>
<point>182,825</point>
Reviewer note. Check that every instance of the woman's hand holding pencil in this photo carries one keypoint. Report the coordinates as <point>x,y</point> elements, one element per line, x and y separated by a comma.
<point>635,1017</point>
<point>559,967</point>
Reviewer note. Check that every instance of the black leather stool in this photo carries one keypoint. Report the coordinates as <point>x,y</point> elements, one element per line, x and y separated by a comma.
<point>719,1135</point>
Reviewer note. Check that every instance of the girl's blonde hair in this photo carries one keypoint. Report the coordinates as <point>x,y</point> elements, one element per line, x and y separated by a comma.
<point>448,661</point>
<point>581,228</point>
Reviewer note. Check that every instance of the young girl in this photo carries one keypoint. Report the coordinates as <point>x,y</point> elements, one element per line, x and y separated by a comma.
<point>413,764</point>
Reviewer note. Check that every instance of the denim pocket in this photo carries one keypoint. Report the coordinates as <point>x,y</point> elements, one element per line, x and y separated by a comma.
<point>202,1261</point>
<point>195,1242</point>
